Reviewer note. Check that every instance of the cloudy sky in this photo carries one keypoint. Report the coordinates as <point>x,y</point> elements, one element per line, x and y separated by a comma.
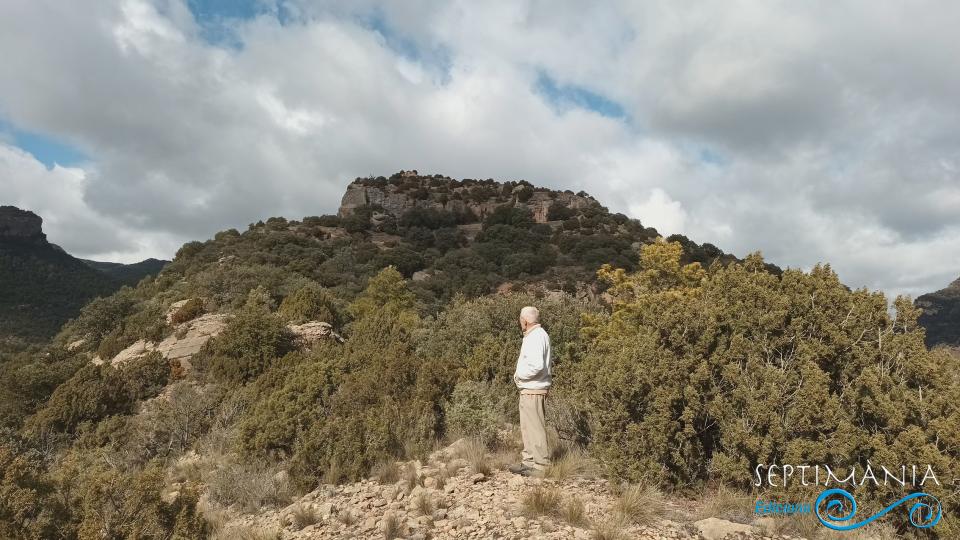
<point>812,131</point>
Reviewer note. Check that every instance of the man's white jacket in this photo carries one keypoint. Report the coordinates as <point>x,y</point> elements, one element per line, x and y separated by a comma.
<point>533,365</point>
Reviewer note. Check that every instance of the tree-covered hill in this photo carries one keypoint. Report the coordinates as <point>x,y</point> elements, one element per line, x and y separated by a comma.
<point>128,274</point>
<point>42,286</point>
<point>450,236</point>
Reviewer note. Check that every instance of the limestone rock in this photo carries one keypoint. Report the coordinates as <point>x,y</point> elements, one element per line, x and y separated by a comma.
<point>716,529</point>
<point>180,346</point>
<point>308,333</point>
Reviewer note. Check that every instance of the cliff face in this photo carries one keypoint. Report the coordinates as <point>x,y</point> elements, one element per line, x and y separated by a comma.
<point>407,190</point>
<point>941,315</point>
<point>20,226</point>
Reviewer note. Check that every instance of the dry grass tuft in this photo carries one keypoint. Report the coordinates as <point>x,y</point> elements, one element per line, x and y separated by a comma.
<point>443,474</point>
<point>304,516</point>
<point>423,503</point>
<point>248,532</point>
<point>574,512</point>
<point>570,464</point>
<point>608,530</point>
<point>475,452</point>
<point>412,477</point>
<point>334,474</point>
<point>386,472</point>
<point>347,517</point>
<point>640,504</point>
<point>391,527</point>
<point>249,487</point>
<point>728,504</point>
<point>541,501</point>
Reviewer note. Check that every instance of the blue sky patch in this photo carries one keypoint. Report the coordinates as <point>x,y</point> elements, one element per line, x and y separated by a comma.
<point>436,57</point>
<point>565,96</point>
<point>217,18</point>
<point>47,150</point>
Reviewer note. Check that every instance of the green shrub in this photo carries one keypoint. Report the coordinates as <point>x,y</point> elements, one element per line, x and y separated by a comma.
<point>697,376</point>
<point>192,309</point>
<point>110,503</point>
<point>476,410</point>
<point>252,340</point>
<point>28,379</point>
<point>146,376</point>
<point>29,504</point>
<point>311,303</point>
<point>93,393</point>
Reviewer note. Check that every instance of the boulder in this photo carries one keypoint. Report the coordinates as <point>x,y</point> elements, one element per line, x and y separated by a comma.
<point>309,333</point>
<point>717,529</point>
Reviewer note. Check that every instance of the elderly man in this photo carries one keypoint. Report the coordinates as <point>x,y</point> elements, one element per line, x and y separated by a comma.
<point>533,378</point>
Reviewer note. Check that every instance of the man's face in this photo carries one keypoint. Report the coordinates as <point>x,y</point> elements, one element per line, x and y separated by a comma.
<point>523,325</point>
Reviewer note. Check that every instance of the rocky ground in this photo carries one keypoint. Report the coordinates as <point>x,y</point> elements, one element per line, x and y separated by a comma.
<point>447,498</point>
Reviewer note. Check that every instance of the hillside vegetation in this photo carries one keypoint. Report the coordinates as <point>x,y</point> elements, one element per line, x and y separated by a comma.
<point>676,367</point>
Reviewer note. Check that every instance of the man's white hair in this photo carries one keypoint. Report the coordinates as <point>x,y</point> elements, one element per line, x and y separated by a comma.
<point>530,314</point>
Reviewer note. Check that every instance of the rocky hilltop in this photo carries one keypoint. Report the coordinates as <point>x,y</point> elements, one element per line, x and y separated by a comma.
<point>407,190</point>
<point>941,315</point>
<point>22,226</point>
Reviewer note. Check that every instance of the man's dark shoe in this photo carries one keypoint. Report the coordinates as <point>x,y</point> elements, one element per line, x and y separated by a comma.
<point>532,473</point>
<point>524,470</point>
<point>519,468</point>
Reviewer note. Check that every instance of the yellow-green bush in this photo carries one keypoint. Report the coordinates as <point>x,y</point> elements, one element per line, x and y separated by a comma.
<point>192,309</point>
<point>311,303</point>
<point>476,410</point>
<point>250,343</point>
<point>697,376</point>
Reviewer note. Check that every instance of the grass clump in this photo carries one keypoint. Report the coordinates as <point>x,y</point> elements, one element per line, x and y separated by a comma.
<point>541,501</point>
<point>574,512</point>
<point>347,517</point>
<point>392,528</point>
<point>475,452</point>
<point>726,503</point>
<point>303,516</point>
<point>250,488</point>
<point>248,532</point>
<point>570,464</point>
<point>607,530</point>
<point>412,477</point>
<point>423,503</point>
<point>386,472</point>
<point>640,504</point>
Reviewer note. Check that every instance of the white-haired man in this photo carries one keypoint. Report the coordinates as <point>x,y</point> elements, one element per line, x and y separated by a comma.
<point>533,378</point>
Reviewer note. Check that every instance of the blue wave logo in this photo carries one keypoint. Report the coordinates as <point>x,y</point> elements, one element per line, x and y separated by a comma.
<point>921,512</point>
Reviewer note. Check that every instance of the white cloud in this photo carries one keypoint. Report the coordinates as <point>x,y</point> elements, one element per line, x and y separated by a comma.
<point>661,212</point>
<point>830,128</point>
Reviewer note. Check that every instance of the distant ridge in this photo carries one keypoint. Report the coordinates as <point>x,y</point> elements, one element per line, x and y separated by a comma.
<point>941,315</point>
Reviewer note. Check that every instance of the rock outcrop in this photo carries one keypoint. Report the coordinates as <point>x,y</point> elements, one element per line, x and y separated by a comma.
<point>180,346</point>
<point>407,190</point>
<point>21,226</point>
<point>309,333</point>
<point>191,336</point>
